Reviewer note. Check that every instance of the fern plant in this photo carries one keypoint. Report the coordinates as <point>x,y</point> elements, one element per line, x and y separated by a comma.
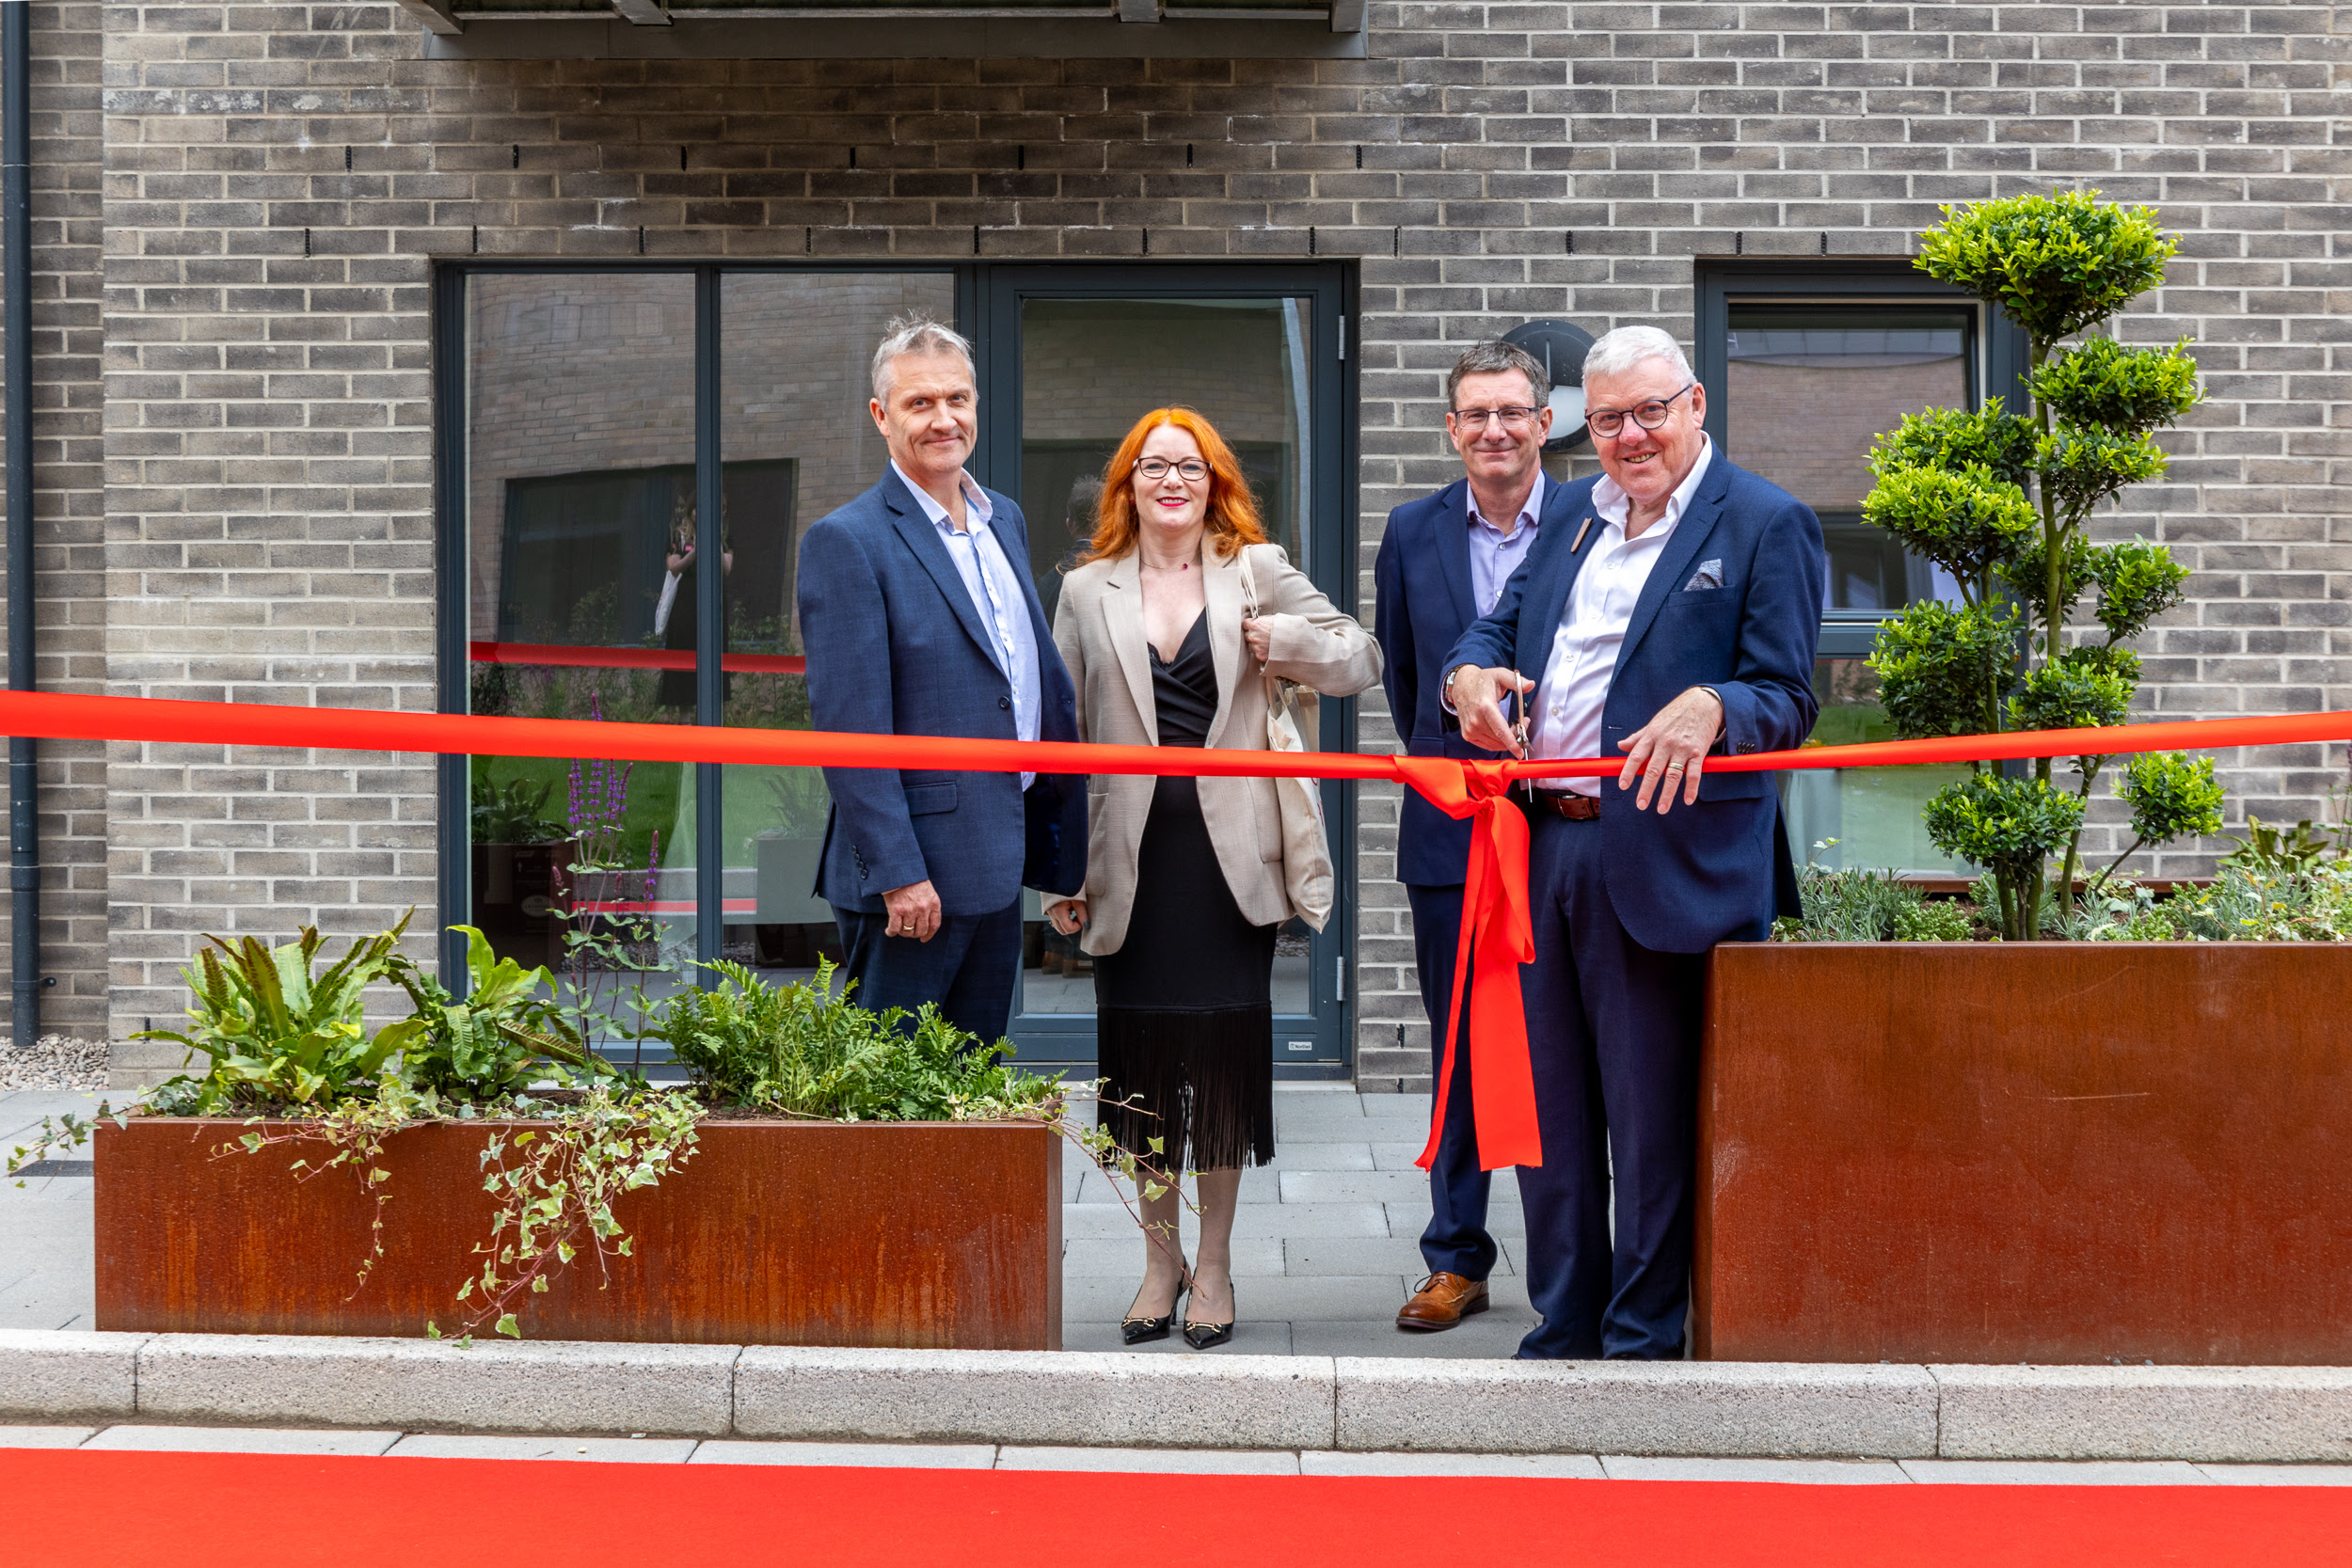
<point>276,1035</point>
<point>503,1034</point>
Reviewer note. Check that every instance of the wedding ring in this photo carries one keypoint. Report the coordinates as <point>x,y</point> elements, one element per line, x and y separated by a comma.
<point>1674,768</point>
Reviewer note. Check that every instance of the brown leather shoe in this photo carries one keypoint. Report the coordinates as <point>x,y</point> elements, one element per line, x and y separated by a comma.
<point>1441,1301</point>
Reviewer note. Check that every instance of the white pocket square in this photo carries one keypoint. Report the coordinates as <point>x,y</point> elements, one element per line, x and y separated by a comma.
<point>1710,574</point>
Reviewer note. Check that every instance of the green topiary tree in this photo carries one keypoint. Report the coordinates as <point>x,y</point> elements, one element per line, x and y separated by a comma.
<point>2002,501</point>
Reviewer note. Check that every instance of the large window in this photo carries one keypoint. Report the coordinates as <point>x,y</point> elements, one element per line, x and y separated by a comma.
<point>593,421</point>
<point>1805,364</point>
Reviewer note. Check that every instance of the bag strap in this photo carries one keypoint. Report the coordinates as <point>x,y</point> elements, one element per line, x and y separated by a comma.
<point>1248,586</point>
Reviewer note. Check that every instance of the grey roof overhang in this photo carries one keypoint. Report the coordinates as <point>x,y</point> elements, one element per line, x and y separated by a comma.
<point>888,29</point>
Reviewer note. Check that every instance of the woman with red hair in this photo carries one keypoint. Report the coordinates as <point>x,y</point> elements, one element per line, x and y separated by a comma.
<point>1175,626</point>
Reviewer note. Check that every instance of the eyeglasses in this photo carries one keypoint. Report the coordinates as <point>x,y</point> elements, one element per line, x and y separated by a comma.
<point>1472,420</point>
<point>1191,470</point>
<point>1607,422</point>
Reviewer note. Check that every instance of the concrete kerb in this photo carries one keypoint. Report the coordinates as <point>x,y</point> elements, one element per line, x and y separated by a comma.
<point>2212,1414</point>
<point>1702,1408</point>
<point>55,1373</point>
<point>548,1386</point>
<point>2219,1413</point>
<point>1055,1398</point>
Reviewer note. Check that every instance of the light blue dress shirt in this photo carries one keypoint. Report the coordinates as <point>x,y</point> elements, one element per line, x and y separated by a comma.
<point>988,577</point>
<point>1494,557</point>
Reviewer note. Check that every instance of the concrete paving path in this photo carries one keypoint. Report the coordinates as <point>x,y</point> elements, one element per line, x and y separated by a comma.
<point>1274,1462</point>
<point>1325,1251</point>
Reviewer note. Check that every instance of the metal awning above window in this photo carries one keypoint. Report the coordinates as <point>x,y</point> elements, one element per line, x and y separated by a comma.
<point>911,29</point>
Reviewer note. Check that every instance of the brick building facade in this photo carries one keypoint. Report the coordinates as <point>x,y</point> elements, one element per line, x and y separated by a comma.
<point>239,210</point>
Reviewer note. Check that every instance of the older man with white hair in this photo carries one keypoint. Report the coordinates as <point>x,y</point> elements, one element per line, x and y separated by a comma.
<point>1670,614</point>
<point>920,618</point>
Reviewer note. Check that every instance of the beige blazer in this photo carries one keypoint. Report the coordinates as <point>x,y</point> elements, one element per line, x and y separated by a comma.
<point>1099,627</point>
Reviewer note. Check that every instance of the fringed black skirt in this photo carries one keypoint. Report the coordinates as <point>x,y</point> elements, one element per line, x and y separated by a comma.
<point>1184,1017</point>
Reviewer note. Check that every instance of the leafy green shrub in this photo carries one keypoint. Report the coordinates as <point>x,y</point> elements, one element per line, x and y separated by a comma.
<point>1860,905</point>
<point>806,1051</point>
<point>2275,850</point>
<point>1934,920</point>
<point>2003,503</point>
<point>503,1034</point>
<point>274,1035</point>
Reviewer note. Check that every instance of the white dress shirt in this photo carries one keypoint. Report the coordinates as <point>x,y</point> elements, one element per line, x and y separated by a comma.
<point>1494,554</point>
<point>988,577</point>
<point>1583,658</point>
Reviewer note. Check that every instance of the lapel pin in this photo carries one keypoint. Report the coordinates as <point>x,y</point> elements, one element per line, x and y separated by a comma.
<point>1582,529</point>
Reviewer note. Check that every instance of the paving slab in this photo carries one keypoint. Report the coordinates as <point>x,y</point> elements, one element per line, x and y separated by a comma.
<point>1491,1336</point>
<point>170,1439</point>
<point>1537,1467</point>
<point>1817,1472</point>
<point>1354,1255</point>
<point>1042,1398</point>
<point>1194,1462</point>
<point>2200,1413</point>
<point>44,1436</point>
<point>919,1456</point>
<point>2277,1475</point>
<point>1706,1409</point>
<point>2030,1472</point>
<point>1122,1258</point>
<point>47,1372</point>
<point>544,1386</point>
<point>600,1451</point>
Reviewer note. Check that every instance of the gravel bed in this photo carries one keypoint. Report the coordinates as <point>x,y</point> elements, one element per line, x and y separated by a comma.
<point>54,1061</point>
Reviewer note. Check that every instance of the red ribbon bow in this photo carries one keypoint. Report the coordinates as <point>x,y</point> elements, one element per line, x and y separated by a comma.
<point>1498,936</point>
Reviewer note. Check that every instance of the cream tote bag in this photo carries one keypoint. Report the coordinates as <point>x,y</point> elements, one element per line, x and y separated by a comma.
<point>1306,876</point>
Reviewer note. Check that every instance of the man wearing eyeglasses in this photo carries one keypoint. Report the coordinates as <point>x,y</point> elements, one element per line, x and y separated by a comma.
<point>1442,564</point>
<point>1668,615</point>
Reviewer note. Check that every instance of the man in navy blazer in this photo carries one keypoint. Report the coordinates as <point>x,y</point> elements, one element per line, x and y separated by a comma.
<point>1671,615</point>
<point>1443,563</point>
<point>920,618</point>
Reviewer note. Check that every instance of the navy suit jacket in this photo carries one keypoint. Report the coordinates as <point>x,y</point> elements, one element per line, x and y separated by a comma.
<point>1423,602</point>
<point>1717,871</point>
<point>895,646</point>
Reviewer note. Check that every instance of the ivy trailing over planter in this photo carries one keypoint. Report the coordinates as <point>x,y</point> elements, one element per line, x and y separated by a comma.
<point>288,1052</point>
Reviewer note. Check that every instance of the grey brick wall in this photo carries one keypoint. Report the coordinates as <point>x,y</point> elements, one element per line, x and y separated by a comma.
<point>268,518</point>
<point>68,511</point>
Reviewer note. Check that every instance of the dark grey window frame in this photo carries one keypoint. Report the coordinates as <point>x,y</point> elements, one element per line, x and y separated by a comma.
<point>988,298</point>
<point>1998,370</point>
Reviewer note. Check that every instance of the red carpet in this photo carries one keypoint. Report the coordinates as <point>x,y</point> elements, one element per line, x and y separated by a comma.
<point>68,1508</point>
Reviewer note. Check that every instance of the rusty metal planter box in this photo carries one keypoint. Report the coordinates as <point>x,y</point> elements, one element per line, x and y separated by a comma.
<point>2064,1152</point>
<point>906,1234</point>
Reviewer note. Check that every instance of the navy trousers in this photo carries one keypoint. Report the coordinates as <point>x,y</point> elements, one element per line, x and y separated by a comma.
<point>1614,1030</point>
<point>1455,1241</point>
<point>967,968</point>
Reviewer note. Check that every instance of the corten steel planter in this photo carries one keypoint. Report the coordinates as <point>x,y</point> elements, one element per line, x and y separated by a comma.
<point>2026,1152</point>
<point>909,1234</point>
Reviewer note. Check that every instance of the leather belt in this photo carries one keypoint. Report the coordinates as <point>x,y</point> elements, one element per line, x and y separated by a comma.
<point>1567,803</point>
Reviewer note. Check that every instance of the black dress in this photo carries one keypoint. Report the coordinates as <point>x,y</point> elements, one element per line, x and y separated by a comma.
<point>1184,1010</point>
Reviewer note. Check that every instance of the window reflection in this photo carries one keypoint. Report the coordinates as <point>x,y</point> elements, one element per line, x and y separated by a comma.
<point>796,443</point>
<point>1807,388</point>
<point>580,465</point>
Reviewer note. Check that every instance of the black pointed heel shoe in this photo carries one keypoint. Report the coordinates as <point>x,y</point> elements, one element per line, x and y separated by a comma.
<point>1143,1331</point>
<point>1210,1336</point>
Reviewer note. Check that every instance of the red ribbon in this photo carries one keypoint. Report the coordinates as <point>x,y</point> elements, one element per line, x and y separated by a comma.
<point>1498,936</point>
<point>1497,933</point>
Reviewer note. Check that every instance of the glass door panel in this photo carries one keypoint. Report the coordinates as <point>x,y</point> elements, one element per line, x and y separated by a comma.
<point>579,443</point>
<point>796,442</point>
<point>1084,364</point>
